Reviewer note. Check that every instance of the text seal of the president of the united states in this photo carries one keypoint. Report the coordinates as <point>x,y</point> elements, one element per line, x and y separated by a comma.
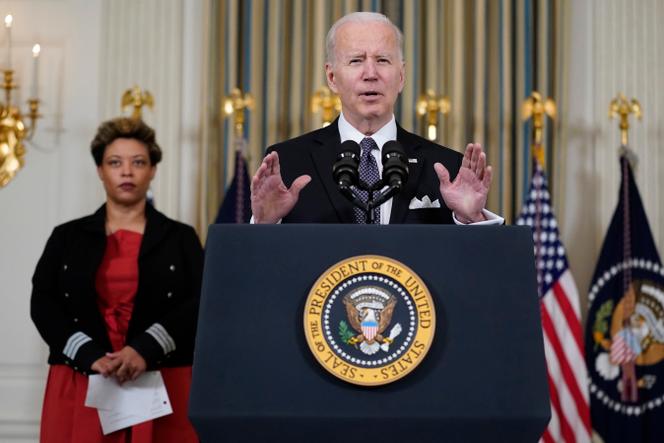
<point>369,320</point>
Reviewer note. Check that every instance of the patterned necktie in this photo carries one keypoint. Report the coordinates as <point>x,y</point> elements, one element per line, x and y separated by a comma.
<point>368,174</point>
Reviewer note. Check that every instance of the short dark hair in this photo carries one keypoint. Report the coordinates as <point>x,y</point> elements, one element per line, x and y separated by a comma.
<point>124,127</point>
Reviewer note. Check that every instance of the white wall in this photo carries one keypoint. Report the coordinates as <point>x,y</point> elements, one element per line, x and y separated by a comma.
<point>92,50</point>
<point>57,183</point>
<point>613,46</point>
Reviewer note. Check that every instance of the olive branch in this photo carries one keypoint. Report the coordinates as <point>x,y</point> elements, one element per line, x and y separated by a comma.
<point>345,332</point>
<point>601,325</point>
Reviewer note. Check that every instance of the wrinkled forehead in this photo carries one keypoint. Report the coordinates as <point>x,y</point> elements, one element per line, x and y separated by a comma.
<point>368,37</point>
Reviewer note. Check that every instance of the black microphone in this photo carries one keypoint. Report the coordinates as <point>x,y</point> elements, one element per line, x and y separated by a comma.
<point>345,169</point>
<point>395,164</point>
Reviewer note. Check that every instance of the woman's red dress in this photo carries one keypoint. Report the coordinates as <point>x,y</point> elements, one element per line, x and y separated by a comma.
<point>65,418</point>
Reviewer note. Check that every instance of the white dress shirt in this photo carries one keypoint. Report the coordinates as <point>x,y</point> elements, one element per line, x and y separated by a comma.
<point>382,136</point>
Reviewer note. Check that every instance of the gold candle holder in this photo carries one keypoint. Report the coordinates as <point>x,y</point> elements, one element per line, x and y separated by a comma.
<point>327,103</point>
<point>234,106</point>
<point>8,84</point>
<point>14,131</point>
<point>431,105</point>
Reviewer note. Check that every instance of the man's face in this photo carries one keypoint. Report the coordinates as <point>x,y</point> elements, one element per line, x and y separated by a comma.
<point>367,73</point>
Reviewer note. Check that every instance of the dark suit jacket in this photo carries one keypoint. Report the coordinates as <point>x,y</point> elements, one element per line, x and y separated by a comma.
<point>64,298</point>
<point>321,202</point>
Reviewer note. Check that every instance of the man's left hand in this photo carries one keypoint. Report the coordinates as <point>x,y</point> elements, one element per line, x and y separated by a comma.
<point>466,195</point>
<point>132,364</point>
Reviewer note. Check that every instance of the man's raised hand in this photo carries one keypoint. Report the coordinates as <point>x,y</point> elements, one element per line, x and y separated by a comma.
<point>466,195</point>
<point>271,200</point>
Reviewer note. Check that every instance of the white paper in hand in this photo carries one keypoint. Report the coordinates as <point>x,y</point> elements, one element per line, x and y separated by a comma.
<point>133,402</point>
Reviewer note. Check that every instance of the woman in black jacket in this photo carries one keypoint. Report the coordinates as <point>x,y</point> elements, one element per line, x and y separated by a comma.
<point>116,293</point>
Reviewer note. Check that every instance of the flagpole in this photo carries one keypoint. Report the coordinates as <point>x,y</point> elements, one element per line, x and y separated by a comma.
<point>235,105</point>
<point>537,108</point>
<point>621,108</point>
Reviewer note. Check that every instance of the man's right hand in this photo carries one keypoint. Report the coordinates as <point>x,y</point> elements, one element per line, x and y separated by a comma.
<point>271,200</point>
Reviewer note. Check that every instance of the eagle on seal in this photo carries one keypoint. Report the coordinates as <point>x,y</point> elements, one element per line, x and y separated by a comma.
<point>369,310</point>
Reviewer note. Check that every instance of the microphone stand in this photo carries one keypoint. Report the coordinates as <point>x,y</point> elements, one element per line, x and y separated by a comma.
<point>345,173</point>
<point>371,203</point>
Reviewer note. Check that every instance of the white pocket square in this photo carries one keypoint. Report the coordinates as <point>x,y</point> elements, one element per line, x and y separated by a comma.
<point>425,203</point>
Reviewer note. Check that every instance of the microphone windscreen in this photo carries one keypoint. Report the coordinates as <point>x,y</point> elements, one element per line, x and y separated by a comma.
<point>345,168</point>
<point>393,147</point>
<point>349,146</point>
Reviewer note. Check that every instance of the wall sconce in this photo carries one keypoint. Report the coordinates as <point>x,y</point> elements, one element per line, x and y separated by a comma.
<point>234,106</point>
<point>430,104</point>
<point>327,103</point>
<point>13,127</point>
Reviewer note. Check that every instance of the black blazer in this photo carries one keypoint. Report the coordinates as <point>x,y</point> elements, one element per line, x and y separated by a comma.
<point>63,305</point>
<point>321,202</point>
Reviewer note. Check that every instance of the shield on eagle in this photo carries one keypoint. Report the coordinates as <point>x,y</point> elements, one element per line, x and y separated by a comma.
<point>369,310</point>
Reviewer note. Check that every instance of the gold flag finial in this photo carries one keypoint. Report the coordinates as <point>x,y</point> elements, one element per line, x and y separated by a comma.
<point>234,106</point>
<point>327,103</point>
<point>136,98</point>
<point>537,108</point>
<point>430,104</point>
<point>621,107</point>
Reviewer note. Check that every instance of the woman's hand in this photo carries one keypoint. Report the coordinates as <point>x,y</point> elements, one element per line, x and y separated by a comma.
<point>130,364</point>
<point>105,366</point>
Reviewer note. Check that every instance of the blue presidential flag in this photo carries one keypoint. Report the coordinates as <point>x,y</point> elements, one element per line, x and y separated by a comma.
<point>625,328</point>
<point>236,207</point>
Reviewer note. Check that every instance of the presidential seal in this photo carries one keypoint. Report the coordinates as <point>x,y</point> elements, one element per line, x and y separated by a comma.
<point>626,349</point>
<point>369,320</point>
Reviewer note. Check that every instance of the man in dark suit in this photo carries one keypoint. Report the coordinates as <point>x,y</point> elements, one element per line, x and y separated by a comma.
<point>365,68</point>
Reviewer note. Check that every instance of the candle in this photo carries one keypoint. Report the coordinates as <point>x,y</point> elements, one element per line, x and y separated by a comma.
<point>34,90</point>
<point>8,26</point>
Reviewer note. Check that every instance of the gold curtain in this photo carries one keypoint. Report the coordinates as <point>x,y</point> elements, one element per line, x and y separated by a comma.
<point>486,55</point>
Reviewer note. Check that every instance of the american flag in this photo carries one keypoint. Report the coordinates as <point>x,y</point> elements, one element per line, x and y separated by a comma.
<point>561,324</point>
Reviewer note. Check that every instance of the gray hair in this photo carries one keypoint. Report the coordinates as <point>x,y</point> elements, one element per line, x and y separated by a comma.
<point>359,17</point>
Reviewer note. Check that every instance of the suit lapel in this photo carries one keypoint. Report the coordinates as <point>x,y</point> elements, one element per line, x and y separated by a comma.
<point>95,242</point>
<point>401,202</point>
<point>156,227</point>
<point>323,155</point>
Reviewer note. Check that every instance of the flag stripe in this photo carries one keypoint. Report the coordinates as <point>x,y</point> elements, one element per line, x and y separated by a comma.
<point>562,405</point>
<point>552,431</point>
<point>565,430</point>
<point>568,286</point>
<point>546,437</point>
<point>572,319</point>
<point>567,374</point>
<point>573,355</point>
